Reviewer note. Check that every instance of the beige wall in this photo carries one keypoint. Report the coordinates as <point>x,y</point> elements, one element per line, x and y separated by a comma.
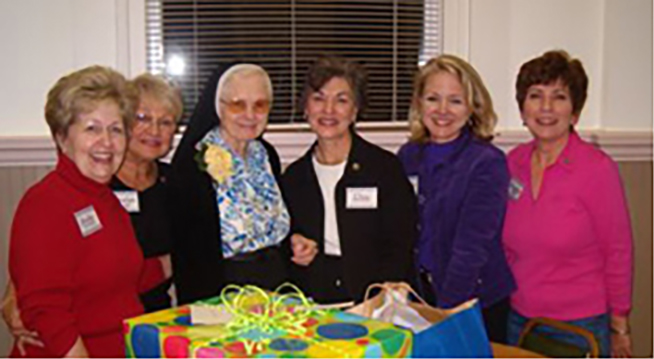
<point>13,183</point>
<point>637,177</point>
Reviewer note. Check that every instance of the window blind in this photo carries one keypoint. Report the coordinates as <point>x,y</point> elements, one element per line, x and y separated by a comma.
<point>388,37</point>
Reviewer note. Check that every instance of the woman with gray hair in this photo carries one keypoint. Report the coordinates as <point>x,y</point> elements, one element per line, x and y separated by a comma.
<point>229,217</point>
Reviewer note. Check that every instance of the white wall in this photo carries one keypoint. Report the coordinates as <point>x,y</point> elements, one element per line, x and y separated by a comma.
<point>44,39</point>
<point>612,38</point>
<point>505,33</point>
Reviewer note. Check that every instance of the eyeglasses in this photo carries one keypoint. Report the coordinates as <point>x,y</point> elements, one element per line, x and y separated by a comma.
<point>143,119</point>
<point>237,107</point>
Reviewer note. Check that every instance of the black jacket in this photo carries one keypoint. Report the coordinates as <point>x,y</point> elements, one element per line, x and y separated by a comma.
<point>376,244</point>
<point>197,252</point>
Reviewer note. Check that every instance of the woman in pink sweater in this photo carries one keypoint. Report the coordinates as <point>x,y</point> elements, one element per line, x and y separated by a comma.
<point>567,231</point>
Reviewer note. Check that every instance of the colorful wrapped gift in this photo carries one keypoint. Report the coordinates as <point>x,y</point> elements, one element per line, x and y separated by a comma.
<point>255,323</point>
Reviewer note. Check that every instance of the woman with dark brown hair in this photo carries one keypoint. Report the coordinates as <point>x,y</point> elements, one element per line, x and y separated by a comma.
<point>353,212</point>
<point>567,232</point>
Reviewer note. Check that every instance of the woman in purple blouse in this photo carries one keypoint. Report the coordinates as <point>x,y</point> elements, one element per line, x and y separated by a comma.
<point>461,180</point>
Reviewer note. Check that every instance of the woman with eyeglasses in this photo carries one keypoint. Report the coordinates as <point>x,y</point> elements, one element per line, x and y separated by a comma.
<point>229,217</point>
<point>140,183</point>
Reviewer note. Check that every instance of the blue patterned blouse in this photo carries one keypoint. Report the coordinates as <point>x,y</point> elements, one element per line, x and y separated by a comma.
<point>252,212</point>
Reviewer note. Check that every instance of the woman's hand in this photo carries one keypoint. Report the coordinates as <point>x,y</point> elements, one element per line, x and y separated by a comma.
<point>11,316</point>
<point>621,346</point>
<point>304,249</point>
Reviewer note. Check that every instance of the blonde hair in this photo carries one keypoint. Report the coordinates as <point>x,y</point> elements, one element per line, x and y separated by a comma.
<point>160,90</point>
<point>245,70</point>
<point>482,120</point>
<point>79,92</point>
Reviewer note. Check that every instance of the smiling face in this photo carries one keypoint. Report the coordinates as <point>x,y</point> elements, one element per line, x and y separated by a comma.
<point>444,107</point>
<point>331,110</point>
<point>547,111</point>
<point>153,130</point>
<point>96,141</point>
<point>243,109</point>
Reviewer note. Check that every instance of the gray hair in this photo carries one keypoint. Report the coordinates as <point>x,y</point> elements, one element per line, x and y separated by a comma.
<point>241,69</point>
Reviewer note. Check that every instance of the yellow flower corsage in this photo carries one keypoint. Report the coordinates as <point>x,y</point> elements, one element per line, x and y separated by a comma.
<point>216,160</point>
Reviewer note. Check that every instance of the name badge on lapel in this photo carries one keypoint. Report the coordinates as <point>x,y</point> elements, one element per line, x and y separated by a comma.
<point>361,198</point>
<point>515,189</point>
<point>88,221</point>
<point>414,182</point>
<point>129,200</point>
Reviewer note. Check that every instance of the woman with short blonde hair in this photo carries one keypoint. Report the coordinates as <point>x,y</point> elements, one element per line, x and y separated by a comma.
<point>158,88</point>
<point>80,91</point>
<point>76,273</point>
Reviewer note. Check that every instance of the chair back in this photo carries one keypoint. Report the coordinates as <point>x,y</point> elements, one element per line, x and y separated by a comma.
<point>555,348</point>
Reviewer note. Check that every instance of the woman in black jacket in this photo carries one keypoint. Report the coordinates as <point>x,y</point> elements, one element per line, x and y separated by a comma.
<point>228,214</point>
<point>353,211</point>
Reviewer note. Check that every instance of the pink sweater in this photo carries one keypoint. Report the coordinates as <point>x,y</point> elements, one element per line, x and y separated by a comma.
<point>571,249</point>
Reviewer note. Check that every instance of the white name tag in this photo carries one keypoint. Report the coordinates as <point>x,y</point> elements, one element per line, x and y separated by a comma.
<point>414,182</point>
<point>129,200</point>
<point>361,198</point>
<point>210,314</point>
<point>88,221</point>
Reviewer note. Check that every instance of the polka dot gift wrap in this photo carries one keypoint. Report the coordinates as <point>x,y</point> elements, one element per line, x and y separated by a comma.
<point>264,325</point>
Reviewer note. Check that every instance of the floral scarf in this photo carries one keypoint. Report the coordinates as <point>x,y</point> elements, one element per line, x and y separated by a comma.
<point>252,211</point>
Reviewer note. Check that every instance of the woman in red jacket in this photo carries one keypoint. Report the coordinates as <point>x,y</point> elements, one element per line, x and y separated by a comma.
<point>73,257</point>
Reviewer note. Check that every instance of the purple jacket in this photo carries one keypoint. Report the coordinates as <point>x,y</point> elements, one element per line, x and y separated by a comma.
<point>462,201</point>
